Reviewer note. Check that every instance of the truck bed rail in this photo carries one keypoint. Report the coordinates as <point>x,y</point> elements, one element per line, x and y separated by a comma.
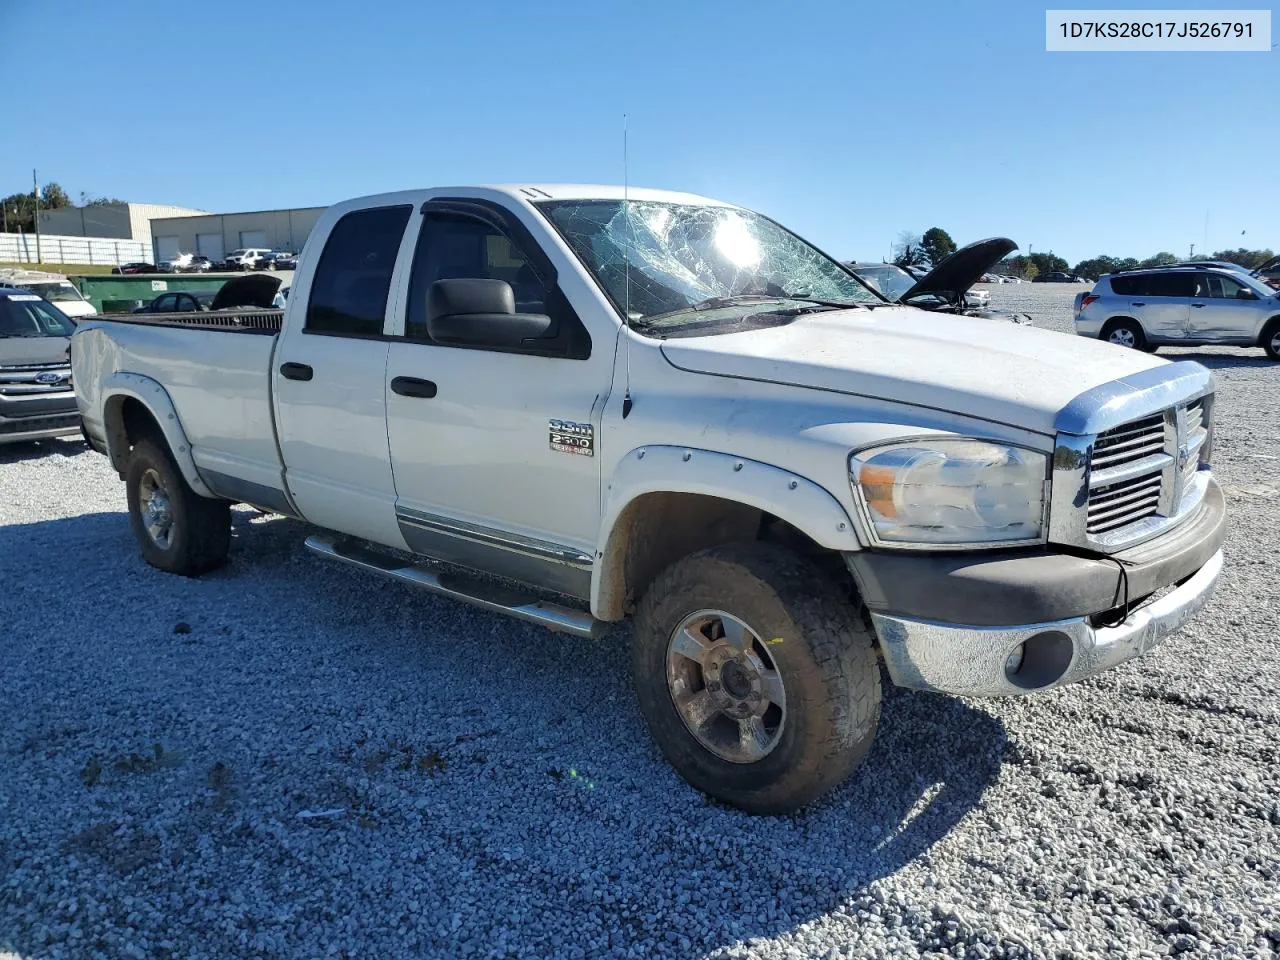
<point>243,321</point>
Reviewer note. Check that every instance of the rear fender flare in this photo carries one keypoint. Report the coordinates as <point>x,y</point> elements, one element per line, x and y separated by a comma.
<point>157,402</point>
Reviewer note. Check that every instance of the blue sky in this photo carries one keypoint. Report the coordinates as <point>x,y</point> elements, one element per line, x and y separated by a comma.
<point>847,121</point>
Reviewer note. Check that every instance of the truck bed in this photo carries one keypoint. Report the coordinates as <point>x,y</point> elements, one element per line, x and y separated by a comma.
<point>215,368</point>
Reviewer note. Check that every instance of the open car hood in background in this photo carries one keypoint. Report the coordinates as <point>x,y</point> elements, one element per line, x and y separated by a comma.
<point>252,290</point>
<point>960,271</point>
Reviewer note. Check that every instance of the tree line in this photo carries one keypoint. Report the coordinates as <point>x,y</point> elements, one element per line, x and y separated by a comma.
<point>19,209</point>
<point>935,244</point>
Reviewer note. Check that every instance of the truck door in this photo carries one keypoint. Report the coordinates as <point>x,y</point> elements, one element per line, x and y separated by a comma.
<point>1162,305</point>
<point>494,449</point>
<point>329,380</point>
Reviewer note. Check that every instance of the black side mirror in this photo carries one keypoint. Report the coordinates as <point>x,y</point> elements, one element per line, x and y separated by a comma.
<point>1244,293</point>
<point>480,313</point>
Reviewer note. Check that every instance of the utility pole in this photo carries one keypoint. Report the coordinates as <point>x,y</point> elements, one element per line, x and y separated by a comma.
<point>1192,254</point>
<point>35,188</point>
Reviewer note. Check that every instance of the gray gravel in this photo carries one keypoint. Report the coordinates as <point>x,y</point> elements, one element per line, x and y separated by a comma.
<point>289,759</point>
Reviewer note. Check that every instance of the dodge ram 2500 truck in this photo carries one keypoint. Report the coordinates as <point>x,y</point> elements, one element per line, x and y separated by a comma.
<point>576,404</point>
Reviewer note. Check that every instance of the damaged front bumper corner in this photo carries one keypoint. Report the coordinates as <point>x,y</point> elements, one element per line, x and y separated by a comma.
<point>988,661</point>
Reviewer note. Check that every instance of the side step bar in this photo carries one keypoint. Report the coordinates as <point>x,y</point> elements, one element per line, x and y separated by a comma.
<point>461,586</point>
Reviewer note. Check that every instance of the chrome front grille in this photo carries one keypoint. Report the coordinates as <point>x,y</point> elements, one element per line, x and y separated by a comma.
<point>1126,474</point>
<point>1131,458</point>
<point>35,378</point>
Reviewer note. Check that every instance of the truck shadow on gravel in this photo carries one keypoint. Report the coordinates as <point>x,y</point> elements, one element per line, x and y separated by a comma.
<point>37,449</point>
<point>530,772</point>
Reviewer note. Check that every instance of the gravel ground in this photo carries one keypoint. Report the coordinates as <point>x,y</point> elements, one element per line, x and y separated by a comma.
<point>287,758</point>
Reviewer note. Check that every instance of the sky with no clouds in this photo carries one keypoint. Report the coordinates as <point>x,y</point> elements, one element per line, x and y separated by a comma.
<point>847,121</point>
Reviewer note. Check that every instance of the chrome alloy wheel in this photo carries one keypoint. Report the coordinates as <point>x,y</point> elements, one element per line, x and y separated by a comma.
<point>156,510</point>
<point>1275,343</point>
<point>726,686</point>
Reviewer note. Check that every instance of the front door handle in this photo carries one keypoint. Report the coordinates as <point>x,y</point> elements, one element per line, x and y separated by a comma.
<point>1198,305</point>
<point>296,371</point>
<point>1139,303</point>
<point>413,387</point>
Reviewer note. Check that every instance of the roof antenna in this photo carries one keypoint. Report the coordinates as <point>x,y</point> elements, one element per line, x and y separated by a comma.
<point>626,268</point>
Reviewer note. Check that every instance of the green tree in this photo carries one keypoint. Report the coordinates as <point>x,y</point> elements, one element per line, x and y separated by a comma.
<point>20,208</point>
<point>1047,263</point>
<point>1246,258</point>
<point>937,245</point>
<point>1161,259</point>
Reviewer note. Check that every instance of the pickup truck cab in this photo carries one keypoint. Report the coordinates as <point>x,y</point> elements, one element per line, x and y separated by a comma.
<point>575,405</point>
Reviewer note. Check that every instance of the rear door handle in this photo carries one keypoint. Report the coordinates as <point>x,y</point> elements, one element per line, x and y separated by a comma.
<point>413,387</point>
<point>296,371</point>
<point>1139,303</point>
<point>1198,305</point>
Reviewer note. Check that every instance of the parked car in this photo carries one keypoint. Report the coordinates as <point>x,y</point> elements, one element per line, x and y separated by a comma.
<point>178,302</point>
<point>199,264</point>
<point>135,267</point>
<point>243,259</point>
<point>276,260</point>
<point>675,409</point>
<point>176,264</point>
<point>1055,276</point>
<point>948,287</point>
<point>36,395</point>
<point>53,287</point>
<point>1183,306</point>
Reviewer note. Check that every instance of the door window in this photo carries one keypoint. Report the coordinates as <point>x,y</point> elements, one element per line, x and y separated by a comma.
<point>166,303</point>
<point>1222,288</point>
<point>1170,285</point>
<point>452,247</point>
<point>352,281</point>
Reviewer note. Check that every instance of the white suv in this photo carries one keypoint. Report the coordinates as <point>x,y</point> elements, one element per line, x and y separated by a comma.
<point>1182,306</point>
<point>244,259</point>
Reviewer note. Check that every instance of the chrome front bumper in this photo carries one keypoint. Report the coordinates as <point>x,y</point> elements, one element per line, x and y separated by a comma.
<point>974,661</point>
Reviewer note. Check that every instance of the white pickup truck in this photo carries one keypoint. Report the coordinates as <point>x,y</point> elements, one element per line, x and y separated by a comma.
<point>578,404</point>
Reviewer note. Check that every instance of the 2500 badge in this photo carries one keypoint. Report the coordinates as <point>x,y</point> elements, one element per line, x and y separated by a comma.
<point>570,437</point>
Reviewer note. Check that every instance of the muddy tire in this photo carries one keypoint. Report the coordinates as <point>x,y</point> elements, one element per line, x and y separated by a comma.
<point>756,677</point>
<point>178,530</point>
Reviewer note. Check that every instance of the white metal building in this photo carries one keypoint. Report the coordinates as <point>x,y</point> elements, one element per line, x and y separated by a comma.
<point>216,234</point>
<point>121,221</point>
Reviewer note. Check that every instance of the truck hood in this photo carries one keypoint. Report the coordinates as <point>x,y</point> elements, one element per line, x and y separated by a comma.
<point>1016,375</point>
<point>24,351</point>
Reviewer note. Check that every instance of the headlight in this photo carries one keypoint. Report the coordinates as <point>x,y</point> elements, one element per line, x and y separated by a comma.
<point>951,492</point>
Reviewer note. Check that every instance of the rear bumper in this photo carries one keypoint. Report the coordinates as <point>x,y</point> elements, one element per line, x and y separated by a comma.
<point>949,623</point>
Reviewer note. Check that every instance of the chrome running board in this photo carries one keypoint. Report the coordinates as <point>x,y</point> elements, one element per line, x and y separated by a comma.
<point>469,588</point>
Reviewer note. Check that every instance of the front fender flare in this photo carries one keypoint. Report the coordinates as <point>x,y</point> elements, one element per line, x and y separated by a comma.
<point>156,400</point>
<point>802,503</point>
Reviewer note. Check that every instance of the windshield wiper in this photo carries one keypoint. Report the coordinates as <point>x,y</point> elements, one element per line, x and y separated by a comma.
<point>716,303</point>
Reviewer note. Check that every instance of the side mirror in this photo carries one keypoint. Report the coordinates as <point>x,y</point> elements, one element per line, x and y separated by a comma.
<point>480,313</point>
<point>1244,293</point>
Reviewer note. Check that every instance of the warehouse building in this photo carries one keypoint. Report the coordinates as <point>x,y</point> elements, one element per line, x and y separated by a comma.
<point>120,221</point>
<point>216,234</point>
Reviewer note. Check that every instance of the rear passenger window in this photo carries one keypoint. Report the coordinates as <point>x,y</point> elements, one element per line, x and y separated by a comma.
<point>350,287</point>
<point>1171,285</point>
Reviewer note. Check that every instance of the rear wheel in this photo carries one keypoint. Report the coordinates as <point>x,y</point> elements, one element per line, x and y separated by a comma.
<point>1271,338</point>
<point>757,679</point>
<point>1125,333</point>
<point>178,530</point>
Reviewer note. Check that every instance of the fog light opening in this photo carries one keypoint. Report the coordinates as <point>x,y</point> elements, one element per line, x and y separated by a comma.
<point>1039,660</point>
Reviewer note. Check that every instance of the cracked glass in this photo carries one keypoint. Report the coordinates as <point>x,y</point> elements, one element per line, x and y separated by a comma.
<point>666,263</point>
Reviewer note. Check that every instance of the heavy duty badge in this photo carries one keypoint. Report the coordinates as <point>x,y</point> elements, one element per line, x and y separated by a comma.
<point>570,437</point>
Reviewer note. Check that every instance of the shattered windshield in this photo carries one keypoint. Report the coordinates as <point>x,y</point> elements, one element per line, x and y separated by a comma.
<point>668,260</point>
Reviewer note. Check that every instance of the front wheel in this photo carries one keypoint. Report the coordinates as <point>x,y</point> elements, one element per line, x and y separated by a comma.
<point>1271,339</point>
<point>757,679</point>
<point>178,530</point>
